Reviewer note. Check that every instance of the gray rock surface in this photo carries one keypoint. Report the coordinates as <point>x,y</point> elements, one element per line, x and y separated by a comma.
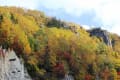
<point>11,67</point>
<point>101,34</point>
<point>68,77</point>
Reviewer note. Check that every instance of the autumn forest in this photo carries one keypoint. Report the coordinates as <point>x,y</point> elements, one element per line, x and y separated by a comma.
<point>53,48</point>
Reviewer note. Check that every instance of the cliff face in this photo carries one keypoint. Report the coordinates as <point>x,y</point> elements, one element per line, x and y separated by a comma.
<point>101,34</point>
<point>11,67</point>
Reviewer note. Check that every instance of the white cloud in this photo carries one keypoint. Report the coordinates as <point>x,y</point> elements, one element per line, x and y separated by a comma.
<point>86,27</point>
<point>116,29</point>
<point>106,11</point>
<point>30,4</point>
<point>109,15</point>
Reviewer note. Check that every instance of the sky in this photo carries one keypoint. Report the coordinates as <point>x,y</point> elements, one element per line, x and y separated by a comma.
<point>88,13</point>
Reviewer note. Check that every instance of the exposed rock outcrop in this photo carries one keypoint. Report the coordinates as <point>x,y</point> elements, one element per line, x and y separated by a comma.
<point>11,67</point>
<point>98,32</point>
<point>68,77</point>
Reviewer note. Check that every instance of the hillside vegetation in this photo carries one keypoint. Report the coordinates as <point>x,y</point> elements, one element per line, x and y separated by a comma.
<point>52,48</point>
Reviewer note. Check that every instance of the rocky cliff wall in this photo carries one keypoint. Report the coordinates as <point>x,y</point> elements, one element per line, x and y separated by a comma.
<point>101,34</point>
<point>11,67</point>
